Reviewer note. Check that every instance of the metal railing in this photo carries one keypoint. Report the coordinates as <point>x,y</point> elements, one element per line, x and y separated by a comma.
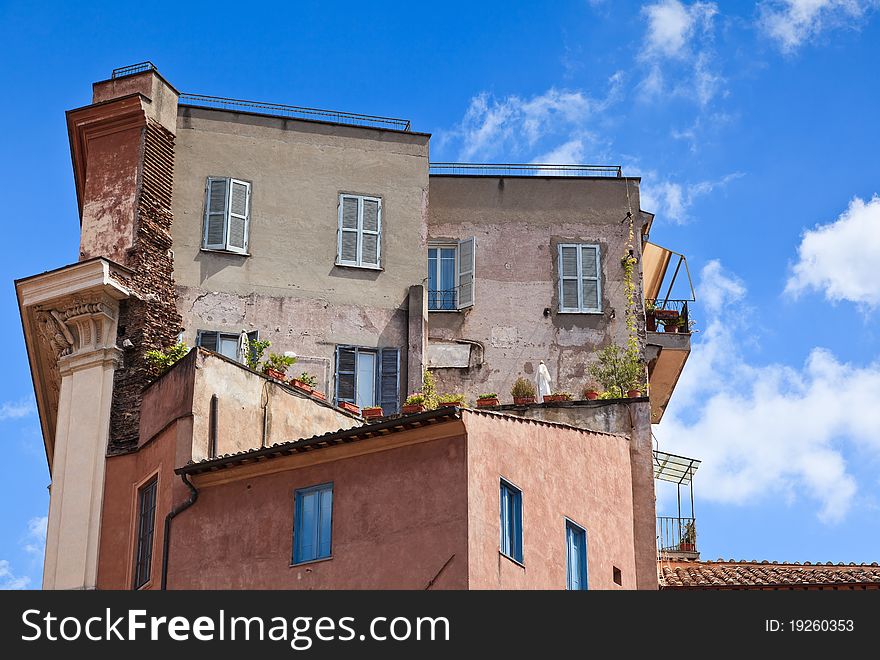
<point>295,112</point>
<point>132,69</point>
<point>524,169</point>
<point>442,300</point>
<point>667,315</point>
<point>676,534</point>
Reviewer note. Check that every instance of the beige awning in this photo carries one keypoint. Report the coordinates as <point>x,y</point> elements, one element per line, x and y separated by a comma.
<point>655,260</point>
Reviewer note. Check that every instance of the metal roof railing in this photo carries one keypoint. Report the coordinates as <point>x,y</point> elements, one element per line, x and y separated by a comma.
<point>132,69</point>
<point>524,169</point>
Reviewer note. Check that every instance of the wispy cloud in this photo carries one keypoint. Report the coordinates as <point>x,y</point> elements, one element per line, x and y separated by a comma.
<point>672,200</point>
<point>35,541</point>
<point>17,409</point>
<point>768,429</point>
<point>791,23</point>
<point>840,258</point>
<point>672,25</point>
<point>8,579</point>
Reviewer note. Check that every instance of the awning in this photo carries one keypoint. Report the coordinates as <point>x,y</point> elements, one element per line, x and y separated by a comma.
<point>675,469</point>
<point>655,263</point>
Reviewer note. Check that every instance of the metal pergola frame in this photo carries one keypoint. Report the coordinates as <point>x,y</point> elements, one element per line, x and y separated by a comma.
<point>678,470</point>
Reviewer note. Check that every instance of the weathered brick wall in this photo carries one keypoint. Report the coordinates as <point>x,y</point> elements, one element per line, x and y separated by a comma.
<point>149,319</point>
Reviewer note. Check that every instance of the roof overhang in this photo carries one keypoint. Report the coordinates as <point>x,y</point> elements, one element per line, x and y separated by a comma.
<point>673,468</point>
<point>667,353</point>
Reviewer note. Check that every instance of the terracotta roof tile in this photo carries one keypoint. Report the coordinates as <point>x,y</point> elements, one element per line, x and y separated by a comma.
<point>685,574</point>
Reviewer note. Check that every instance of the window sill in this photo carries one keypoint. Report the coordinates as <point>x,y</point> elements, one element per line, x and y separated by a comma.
<point>506,556</point>
<point>310,561</point>
<point>597,312</point>
<point>445,311</point>
<point>377,268</point>
<point>230,252</point>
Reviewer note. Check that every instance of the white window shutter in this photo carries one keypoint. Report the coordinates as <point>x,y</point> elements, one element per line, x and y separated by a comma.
<point>370,231</point>
<point>348,231</point>
<point>467,254</point>
<point>216,204</point>
<point>239,210</point>
<point>590,277</point>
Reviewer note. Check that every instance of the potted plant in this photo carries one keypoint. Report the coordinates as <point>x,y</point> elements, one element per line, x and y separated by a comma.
<point>557,396</point>
<point>688,541</point>
<point>162,361</point>
<point>523,392</point>
<point>670,323</point>
<point>451,400</point>
<point>415,403</point>
<point>350,407</point>
<point>619,371</point>
<point>487,400</point>
<point>591,391</point>
<point>650,316</point>
<point>372,412</point>
<point>633,394</point>
<point>276,365</point>
<point>306,382</point>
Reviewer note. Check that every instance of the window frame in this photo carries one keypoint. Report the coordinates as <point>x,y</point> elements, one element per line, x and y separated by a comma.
<point>227,213</point>
<point>143,552</point>
<point>378,374</point>
<point>359,263</point>
<point>220,334</point>
<point>569,523</point>
<point>580,309</point>
<point>517,532</point>
<point>455,285</point>
<point>298,494</point>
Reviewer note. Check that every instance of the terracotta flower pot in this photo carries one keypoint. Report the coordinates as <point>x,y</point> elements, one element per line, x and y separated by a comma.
<point>372,413</point>
<point>319,395</point>
<point>487,403</point>
<point>552,398</point>
<point>274,373</point>
<point>687,547</point>
<point>523,400</point>
<point>412,408</point>
<point>450,404</point>
<point>650,322</point>
<point>300,385</point>
<point>634,394</point>
<point>350,407</point>
<point>591,395</point>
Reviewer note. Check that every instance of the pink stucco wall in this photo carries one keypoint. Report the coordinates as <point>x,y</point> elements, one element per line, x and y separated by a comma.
<point>562,472</point>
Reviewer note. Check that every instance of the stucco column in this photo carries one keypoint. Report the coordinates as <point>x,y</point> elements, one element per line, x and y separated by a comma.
<point>70,318</point>
<point>417,330</point>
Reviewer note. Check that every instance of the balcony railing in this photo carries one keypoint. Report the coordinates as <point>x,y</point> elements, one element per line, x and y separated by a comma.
<point>676,534</point>
<point>524,169</point>
<point>442,300</point>
<point>667,316</point>
<point>132,69</point>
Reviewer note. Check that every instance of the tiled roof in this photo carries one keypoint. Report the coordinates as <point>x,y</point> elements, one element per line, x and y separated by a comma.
<point>721,574</point>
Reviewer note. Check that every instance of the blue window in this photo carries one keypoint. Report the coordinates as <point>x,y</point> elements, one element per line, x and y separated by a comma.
<point>312,523</point>
<point>441,278</point>
<point>511,521</point>
<point>576,543</point>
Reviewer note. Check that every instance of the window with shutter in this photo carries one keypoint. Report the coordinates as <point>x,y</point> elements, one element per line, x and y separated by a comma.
<point>225,343</point>
<point>511,521</point>
<point>451,268</point>
<point>580,278</point>
<point>389,380</point>
<point>576,556</point>
<point>227,215</point>
<point>368,377</point>
<point>466,262</point>
<point>312,523</point>
<point>359,240</point>
<point>346,378</point>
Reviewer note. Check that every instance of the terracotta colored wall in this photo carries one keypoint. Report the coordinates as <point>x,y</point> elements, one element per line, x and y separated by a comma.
<point>398,516</point>
<point>562,473</point>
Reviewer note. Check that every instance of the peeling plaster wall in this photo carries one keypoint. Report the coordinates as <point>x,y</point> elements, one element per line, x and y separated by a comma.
<point>518,224</point>
<point>289,289</point>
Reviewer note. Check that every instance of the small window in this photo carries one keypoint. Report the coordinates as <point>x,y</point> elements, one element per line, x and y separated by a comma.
<point>368,377</point>
<point>511,521</point>
<point>225,343</point>
<point>451,269</point>
<point>312,523</point>
<point>360,231</point>
<point>580,278</point>
<point>227,215</point>
<point>146,522</point>
<point>576,564</point>
<point>618,576</point>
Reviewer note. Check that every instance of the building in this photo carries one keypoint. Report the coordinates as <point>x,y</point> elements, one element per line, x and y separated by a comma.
<point>332,236</point>
<point>765,575</point>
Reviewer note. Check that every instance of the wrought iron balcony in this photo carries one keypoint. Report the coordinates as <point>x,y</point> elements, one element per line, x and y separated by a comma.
<point>442,300</point>
<point>667,316</point>
<point>677,535</point>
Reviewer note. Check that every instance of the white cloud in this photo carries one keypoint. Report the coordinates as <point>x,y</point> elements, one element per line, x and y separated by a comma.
<point>8,580</point>
<point>841,258</point>
<point>16,409</point>
<point>514,125</point>
<point>791,23</point>
<point>766,430</point>
<point>35,542</point>
<point>672,25</point>
<point>670,200</point>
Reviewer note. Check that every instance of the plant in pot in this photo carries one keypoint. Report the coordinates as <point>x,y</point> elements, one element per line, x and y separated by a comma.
<point>591,391</point>
<point>489,400</point>
<point>451,400</point>
<point>415,403</point>
<point>619,371</point>
<point>688,541</point>
<point>162,361</point>
<point>256,348</point>
<point>305,382</point>
<point>671,323</point>
<point>372,412</point>
<point>276,365</point>
<point>523,392</point>
<point>557,396</point>
<point>650,316</point>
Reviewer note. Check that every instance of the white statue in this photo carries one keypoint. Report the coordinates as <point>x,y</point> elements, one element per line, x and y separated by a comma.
<point>244,348</point>
<point>543,380</point>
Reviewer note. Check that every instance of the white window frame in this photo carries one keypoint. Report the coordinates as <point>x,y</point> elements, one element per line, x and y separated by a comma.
<point>580,309</point>
<point>360,233</point>
<point>455,286</point>
<point>456,245</point>
<point>226,247</point>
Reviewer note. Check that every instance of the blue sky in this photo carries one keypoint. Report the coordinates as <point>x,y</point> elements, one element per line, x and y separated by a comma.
<point>753,125</point>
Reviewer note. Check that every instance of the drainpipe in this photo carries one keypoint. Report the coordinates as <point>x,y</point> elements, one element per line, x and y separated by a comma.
<point>166,541</point>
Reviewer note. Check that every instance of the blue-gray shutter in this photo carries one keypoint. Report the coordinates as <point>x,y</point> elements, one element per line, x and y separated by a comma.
<point>466,266</point>
<point>389,380</point>
<point>208,339</point>
<point>346,380</point>
<point>238,217</point>
<point>216,207</point>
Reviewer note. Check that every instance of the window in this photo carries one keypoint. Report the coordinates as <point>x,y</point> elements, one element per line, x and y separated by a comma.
<point>146,522</point>
<point>312,523</point>
<point>580,286</point>
<point>511,521</point>
<point>576,564</point>
<point>368,377</point>
<point>360,231</point>
<point>617,575</point>
<point>451,275</point>
<point>227,215</point>
<point>225,343</point>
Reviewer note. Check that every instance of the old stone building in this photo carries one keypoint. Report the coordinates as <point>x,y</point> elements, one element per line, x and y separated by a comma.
<point>332,236</point>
